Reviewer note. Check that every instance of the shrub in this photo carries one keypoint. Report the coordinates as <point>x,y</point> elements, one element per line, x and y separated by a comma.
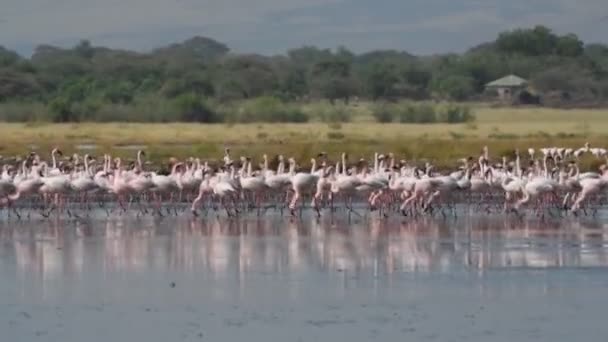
<point>456,135</point>
<point>61,110</point>
<point>335,135</point>
<point>383,114</point>
<point>191,108</point>
<point>503,136</point>
<point>334,114</point>
<point>426,114</point>
<point>456,114</point>
<point>335,125</point>
<point>270,109</point>
<point>471,126</point>
<point>423,113</point>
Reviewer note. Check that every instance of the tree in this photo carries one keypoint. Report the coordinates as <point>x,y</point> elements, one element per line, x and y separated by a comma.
<point>569,45</point>
<point>99,83</point>
<point>455,87</point>
<point>121,93</point>
<point>332,79</point>
<point>537,41</point>
<point>253,75</point>
<point>84,49</point>
<point>191,108</point>
<point>61,108</point>
<point>8,57</point>
<point>381,80</point>
<point>17,85</point>
<point>308,55</point>
<point>295,84</point>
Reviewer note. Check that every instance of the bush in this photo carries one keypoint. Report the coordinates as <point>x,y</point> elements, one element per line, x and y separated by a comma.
<point>498,135</point>
<point>335,125</point>
<point>456,135</point>
<point>383,114</point>
<point>270,109</point>
<point>335,135</point>
<point>23,112</point>
<point>334,114</point>
<point>191,108</point>
<point>457,114</point>
<point>61,110</point>
<point>423,113</point>
<point>471,126</point>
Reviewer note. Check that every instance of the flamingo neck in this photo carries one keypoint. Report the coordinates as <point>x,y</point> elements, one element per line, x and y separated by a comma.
<point>376,162</point>
<point>54,159</point>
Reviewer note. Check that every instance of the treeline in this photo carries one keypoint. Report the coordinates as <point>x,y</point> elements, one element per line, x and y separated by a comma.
<point>201,80</point>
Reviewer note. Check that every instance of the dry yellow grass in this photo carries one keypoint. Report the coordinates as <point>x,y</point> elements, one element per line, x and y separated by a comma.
<point>501,129</point>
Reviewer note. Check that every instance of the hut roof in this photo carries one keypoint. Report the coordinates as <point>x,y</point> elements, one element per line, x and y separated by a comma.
<point>508,81</point>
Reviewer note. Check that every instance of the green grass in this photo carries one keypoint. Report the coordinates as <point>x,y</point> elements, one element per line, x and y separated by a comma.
<point>502,129</point>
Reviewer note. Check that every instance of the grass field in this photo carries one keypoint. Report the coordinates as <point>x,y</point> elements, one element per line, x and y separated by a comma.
<point>502,129</point>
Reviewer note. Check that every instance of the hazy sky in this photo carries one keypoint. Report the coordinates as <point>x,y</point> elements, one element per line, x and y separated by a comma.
<point>273,26</point>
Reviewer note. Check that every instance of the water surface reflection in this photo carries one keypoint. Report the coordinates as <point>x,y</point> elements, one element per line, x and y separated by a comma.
<point>275,245</point>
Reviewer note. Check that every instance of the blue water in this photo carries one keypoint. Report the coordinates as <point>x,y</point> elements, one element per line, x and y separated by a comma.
<point>276,279</point>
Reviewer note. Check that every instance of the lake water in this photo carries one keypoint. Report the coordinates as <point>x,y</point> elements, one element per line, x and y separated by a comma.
<point>277,279</point>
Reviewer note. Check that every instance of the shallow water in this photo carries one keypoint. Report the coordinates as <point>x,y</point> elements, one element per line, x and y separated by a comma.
<point>272,278</point>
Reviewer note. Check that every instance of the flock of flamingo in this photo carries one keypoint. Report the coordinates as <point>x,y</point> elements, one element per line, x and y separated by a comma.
<point>544,181</point>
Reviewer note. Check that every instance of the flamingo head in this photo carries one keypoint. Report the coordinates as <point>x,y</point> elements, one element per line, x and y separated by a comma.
<point>57,151</point>
<point>141,153</point>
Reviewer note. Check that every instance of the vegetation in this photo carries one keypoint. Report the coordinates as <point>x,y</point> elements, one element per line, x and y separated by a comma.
<point>200,80</point>
<point>502,129</point>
